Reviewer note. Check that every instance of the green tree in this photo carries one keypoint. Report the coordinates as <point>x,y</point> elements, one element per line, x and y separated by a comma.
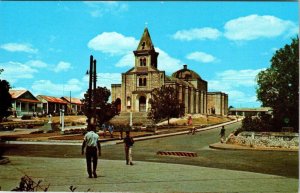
<point>105,110</point>
<point>278,86</point>
<point>5,99</point>
<point>165,104</point>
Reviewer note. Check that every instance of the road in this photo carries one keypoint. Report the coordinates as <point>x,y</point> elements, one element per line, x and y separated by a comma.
<point>286,163</point>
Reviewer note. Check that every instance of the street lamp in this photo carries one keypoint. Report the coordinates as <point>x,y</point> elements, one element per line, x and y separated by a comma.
<point>92,92</point>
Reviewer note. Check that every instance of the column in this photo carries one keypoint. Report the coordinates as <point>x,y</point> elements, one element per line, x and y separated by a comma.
<point>197,101</point>
<point>192,100</point>
<point>186,99</point>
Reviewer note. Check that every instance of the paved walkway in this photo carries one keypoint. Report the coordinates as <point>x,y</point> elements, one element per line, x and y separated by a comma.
<point>115,176</point>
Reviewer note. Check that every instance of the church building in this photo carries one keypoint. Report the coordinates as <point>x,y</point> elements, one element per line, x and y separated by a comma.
<point>133,94</point>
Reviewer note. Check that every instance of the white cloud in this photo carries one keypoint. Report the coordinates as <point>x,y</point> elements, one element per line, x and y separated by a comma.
<point>167,63</point>
<point>62,66</point>
<point>254,26</point>
<point>47,87</point>
<point>126,61</point>
<point>36,63</point>
<point>16,70</point>
<point>16,47</point>
<point>236,83</point>
<point>201,57</point>
<point>113,43</point>
<point>239,77</point>
<point>197,34</point>
<point>98,9</point>
<point>106,79</point>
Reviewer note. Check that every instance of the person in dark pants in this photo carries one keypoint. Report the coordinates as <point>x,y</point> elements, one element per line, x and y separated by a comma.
<point>91,144</point>
<point>222,134</point>
<point>128,143</point>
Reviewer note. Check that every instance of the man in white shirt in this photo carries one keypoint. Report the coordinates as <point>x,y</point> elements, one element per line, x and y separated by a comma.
<point>92,144</point>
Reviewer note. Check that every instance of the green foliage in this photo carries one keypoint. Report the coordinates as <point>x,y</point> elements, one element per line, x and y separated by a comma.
<point>165,104</point>
<point>5,99</point>
<point>29,185</point>
<point>105,111</point>
<point>278,86</point>
<point>263,123</point>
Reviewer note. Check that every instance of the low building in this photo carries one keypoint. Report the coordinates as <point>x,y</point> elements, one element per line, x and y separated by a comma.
<point>52,105</point>
<point>24,103</point>
<point>250,111</point>
<point>74,105</point>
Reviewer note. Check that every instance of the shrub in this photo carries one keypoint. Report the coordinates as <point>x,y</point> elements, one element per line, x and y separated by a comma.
<point>262,123</point>
<point>26,117</point>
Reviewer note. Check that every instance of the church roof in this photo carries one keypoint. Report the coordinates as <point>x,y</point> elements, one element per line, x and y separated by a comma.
<point>186,74</point>
<point>145,42</point>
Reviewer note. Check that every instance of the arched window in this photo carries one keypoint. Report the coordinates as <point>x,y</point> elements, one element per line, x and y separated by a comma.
<point>141,61</point>
<point>140,82</point>
<point>128,102</point>
<point>144,61</point>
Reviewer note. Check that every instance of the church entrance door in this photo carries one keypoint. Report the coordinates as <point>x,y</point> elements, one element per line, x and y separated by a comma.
<point>142,104</point>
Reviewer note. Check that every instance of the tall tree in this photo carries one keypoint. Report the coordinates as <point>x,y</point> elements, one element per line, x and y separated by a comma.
<point>278,86</point>
<point>165,104</point>
<point>5,99</point>
<point>104,110</point>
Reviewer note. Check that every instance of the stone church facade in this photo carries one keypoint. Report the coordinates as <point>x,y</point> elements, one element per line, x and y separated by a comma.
<point>133,94</point>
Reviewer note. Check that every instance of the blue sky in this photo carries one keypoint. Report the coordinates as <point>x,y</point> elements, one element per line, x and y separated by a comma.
<point>45,46</point>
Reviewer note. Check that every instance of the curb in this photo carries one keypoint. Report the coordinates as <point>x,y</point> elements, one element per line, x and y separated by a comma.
<point>240,147</point>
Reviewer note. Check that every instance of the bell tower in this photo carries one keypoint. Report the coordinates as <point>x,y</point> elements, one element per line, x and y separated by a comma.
<point>145,54</point>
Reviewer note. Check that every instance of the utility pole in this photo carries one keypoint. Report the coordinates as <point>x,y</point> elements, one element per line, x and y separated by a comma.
<point>92,92</point>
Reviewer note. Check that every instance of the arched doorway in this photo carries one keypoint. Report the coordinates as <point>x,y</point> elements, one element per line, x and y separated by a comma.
<point>118,104</point>
<point>142,104</point>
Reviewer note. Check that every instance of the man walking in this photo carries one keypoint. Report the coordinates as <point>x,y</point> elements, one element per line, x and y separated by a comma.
<point>128,143</point>
<point>91,144</point>
<point>222,134</point>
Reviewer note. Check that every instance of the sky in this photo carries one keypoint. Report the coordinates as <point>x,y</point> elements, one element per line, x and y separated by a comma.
<point>45,46</point>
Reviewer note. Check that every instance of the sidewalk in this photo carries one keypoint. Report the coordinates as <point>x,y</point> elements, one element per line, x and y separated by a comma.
<point>116,176</point>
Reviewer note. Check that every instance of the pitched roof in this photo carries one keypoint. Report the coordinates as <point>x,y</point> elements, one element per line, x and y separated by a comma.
<point>52,99</point>
<point>23,96</point>
<point>73,100</point>
<point>145,42</point>
<point>16,93</point>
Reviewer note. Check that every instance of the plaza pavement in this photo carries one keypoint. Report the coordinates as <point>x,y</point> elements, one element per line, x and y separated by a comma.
<point>116,176</point>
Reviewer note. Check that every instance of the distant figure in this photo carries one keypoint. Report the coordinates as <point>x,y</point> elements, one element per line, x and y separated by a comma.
<point>222,134</point>
<point>50,118</point>
<point>104,129</point>
<point>111,130</point>
<point>190,124</point>
<point>91,144</point>
<point>193,130</point>
<point>121,132</point>
<point>190,121</point>
<point>128,143</point>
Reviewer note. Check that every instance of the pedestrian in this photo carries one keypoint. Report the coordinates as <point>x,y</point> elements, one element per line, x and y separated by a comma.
<point>111,130</point>
<point>222,134</point>
<point>190,121</point>
<point>121,132</point>
<point>104,129</point>
<point>190,124</point>
<point>128,143</point>
<point>91,144</point>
